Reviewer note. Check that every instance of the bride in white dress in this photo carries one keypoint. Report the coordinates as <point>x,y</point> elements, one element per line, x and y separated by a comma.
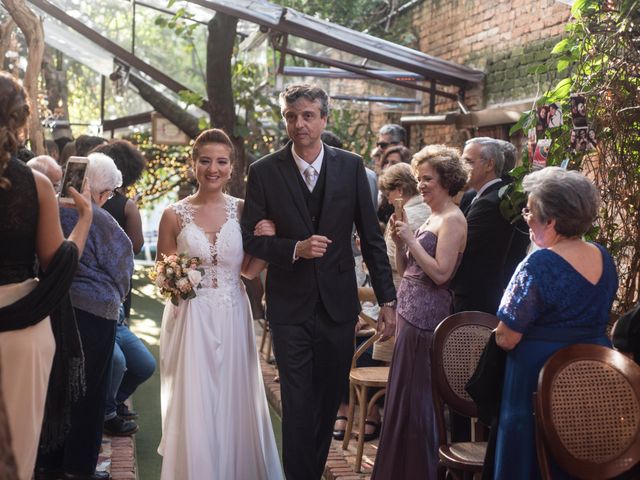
<point>215,418</point>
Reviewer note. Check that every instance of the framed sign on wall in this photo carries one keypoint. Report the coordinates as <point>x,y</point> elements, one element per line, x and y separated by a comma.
<point>166,133</point>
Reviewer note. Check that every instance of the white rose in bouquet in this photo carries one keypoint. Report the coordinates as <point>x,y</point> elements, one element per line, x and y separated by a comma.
<point>160,279</point>
<point>183,284</point>
<point>195,277</point>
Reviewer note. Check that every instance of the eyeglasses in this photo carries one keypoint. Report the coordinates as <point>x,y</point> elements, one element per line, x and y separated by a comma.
<point>526,214</point>
<point>384,145</point>
<point>109,193</point>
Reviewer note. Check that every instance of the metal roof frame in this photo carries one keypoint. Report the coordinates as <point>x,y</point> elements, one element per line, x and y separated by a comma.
<point>409,68</point>
<point>282,22</point>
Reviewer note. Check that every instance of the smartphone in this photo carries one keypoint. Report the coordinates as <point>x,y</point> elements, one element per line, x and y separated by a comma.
<point>398,210</point>
<point>74,174</point>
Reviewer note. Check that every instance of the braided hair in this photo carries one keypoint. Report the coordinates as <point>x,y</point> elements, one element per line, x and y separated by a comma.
<point>14,113</point>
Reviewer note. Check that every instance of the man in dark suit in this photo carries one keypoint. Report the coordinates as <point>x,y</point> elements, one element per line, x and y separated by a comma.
<point>314,194</point>
<point>519,236</point>
<point>478,283</point>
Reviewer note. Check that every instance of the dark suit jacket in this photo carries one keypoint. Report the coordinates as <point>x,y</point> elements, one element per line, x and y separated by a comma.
<point>466,199</point>
<point>479,281</point>
<point>293,288</point>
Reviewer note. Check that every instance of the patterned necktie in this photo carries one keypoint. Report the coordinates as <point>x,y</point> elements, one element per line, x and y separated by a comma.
<point>310,177</point>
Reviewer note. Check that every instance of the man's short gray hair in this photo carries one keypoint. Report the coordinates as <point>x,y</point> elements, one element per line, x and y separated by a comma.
<point>566,196</point>
<point>295,91</point>
<point>509,152</point>
<point>45,165</point>
<point>102,173</point>
<point>397,132</point>
<point>490,150</point>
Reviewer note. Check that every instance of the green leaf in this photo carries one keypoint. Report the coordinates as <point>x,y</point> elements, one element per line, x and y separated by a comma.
<point>562,90</point>
<point>578,7</point>
<point>522,122</point>
<point>563,64</point>
<point>170,3</point>
<point>203,124</point>
<point>191,98</point>
<point>561,46</point>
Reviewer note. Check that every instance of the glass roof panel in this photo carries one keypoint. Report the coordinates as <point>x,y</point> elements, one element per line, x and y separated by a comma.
<point>76,46</point>
<point>109,18</point>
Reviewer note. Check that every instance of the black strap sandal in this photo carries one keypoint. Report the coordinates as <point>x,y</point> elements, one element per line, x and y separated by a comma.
<point>339,434</point>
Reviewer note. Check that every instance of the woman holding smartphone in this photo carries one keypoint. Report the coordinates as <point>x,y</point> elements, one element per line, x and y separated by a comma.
<point>99,286</point>
<point>29,228</point>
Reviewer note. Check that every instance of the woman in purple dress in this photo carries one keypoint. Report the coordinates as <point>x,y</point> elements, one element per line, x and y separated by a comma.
<point>427,260</point>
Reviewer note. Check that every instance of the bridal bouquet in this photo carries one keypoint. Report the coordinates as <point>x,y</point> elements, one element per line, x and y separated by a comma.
<point>177,276</point>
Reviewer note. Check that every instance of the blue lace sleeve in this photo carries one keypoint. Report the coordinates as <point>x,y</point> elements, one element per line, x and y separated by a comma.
<point>521,302</point>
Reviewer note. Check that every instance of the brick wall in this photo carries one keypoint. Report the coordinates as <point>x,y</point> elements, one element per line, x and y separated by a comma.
<point>501,38</point>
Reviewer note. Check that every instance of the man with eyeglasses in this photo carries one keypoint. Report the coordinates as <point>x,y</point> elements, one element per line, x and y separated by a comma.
<point>390,135</point>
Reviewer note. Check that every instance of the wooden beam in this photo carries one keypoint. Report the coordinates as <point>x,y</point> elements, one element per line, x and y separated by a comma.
<point>123,122</point>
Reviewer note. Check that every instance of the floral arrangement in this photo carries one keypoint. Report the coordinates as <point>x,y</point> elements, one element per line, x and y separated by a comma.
<point>177,276</point>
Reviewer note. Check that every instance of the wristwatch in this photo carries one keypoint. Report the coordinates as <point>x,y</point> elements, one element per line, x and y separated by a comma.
<point>391,304</point>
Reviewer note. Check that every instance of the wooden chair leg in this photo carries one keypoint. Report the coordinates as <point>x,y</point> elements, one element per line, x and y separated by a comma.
<point>362,405</point>
<point>350,415</point>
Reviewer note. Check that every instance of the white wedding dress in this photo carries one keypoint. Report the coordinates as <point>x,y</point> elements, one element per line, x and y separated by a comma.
<point>215,418</point>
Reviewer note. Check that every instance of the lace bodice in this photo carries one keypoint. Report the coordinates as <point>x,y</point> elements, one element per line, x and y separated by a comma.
<point>18,224</point>
<point>222,259</point>
<point>546,291</point>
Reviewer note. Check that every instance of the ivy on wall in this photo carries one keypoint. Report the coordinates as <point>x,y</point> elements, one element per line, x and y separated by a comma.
<point>601,51</point>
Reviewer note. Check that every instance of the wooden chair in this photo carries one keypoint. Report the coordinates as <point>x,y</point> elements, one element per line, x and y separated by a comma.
<point>587,410</point>
<point>458,343</point>
<point>360,380</point>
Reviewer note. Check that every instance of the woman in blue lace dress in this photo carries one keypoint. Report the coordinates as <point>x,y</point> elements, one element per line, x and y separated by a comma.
<point>426,260</point>
<point>559,295</point>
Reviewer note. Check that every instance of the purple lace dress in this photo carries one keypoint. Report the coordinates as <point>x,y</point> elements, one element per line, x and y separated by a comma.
<point>408,446</point>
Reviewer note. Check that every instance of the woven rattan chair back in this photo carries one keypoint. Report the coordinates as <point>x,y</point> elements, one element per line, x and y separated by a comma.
<point>458,343</point>
<point>588,412</point>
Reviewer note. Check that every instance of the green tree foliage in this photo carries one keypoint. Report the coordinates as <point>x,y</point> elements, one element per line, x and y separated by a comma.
<point>376,17</point>
<point>602,52</point>
<point>167,168</point>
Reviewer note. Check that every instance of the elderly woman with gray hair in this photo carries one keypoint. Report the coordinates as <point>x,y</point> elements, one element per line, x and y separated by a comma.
<point>559,295</point>
<point>100,284</point>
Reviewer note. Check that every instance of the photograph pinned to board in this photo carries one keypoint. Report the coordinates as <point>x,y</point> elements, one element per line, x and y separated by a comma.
<point>542,113</point>
<point>578,110</point>
<point>580,142</point>
<point>554,117</point>
<point>542,153</point>
<point>531,143</point>
<point>592,137</point>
